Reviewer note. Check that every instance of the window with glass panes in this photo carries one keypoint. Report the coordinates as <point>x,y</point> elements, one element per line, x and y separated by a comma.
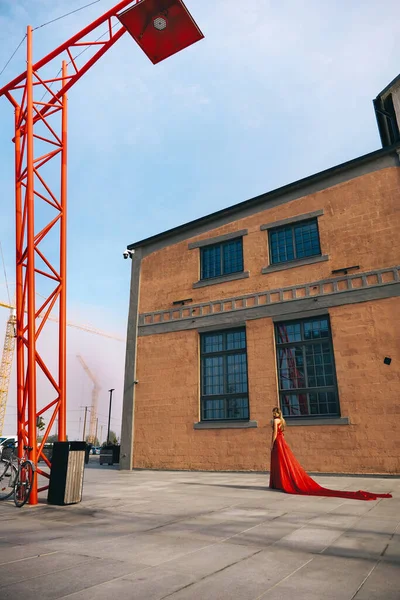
<point>222,259</point>
<point>306,368</point>
<point>293,242</point>
<point>224,375</point>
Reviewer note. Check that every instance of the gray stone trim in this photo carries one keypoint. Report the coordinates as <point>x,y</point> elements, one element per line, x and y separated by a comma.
<point>225,326</point>
<point>305,422</point>
<point>363,165</point>
<point>222,279</point>
<point>128,401</point>
<point>218,239</point>
<point>299,299</point>
<point>310,260</point>
<point>290,220</point>
<point>225,425</point>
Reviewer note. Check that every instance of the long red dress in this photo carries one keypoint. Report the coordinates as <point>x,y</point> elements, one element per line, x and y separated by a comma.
<point>289,476</point>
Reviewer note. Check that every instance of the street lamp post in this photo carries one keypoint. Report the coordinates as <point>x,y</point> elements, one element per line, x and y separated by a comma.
<point>109,417</point>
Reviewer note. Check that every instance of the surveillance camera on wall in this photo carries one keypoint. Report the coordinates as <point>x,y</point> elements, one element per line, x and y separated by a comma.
<point>128,253</point>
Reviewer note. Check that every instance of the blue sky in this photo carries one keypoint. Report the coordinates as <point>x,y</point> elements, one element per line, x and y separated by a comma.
<point>275,92</point>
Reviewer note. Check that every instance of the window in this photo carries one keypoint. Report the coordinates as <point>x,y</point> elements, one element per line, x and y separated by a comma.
<point>224,375</point>
<point>306,369</point>
<point>222,259</point>
<point>294,242</point>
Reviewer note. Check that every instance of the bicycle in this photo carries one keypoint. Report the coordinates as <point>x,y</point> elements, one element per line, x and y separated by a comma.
<point>17,481</point>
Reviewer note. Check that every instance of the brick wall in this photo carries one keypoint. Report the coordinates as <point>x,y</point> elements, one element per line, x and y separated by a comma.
<point>167,400</point>
<point>359,227</point>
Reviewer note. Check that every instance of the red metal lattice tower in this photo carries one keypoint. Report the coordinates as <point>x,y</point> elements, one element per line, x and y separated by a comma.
<point>161,28</point>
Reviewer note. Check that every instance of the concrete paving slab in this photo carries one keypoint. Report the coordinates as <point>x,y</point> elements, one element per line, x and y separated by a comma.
<point>113,527</point>
<point>299,518</point>
<point>28,537</point>
<point>143,584</point>
<point>247,579</point>
<point>322,578</point>
<point>357,547</point>
<point>147,535</point>
<point>333,520</point>
<point>65,581</point>
<point>385,510</point>
<point>151,550</point>
<point>188,530</point>
<point>392,552</point>
<point>20,570</point>
<point>212,559</point>
<point>264,534</point>
<point>379,526</point>
<point>383,583</point>
<point>22,552</point>
<point>312,539</point>
<point>229,529</point>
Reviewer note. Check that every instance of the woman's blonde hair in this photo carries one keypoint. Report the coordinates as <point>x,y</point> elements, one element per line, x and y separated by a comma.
<point>277,411</point>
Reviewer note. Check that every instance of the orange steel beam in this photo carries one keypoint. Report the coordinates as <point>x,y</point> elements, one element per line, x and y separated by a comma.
<point>62,328</point>
<point>75,41</point>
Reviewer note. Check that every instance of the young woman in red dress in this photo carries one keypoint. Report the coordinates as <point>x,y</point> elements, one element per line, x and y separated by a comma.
<point>289,476</point>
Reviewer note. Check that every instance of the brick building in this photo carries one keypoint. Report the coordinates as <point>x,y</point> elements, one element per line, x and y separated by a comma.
<point>289,298</point>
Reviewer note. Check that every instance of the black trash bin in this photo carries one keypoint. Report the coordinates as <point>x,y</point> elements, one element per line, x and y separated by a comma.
<point>116,452</point>
<point>106,456</point>
<point>66,474</point>
<point>110,454</point>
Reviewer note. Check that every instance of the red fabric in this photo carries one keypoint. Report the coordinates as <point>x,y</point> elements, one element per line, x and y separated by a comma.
<point>289,476</point>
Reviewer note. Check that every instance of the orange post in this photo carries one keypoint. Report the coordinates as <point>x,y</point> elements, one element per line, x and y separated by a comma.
<point>19,284</point>
<point>62,372</point>
<point>30,267</point>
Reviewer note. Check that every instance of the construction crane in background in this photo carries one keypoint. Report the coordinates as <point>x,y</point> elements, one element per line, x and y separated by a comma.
<point>95,399</point>
<point>8,355</point>
<point>6,364</point>
<point>87,328</point>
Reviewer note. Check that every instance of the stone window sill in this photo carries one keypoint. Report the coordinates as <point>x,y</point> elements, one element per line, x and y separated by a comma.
<point>295,263</point>
<point>318,421</point>
<point>225,425</point>
<point>222,279</point>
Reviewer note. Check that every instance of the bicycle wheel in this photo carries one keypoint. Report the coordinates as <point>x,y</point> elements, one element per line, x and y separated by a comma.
<point>8,477</point>
<point>23,486</point>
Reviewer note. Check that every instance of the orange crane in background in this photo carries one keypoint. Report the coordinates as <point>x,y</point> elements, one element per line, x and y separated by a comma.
<point>8,355</point>
<point>95,398</point>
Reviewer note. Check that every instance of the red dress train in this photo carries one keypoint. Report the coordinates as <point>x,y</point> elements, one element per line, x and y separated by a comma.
<point>289,476</point>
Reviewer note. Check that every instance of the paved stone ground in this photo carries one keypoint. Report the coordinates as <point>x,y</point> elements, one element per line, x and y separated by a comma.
<point>149,535</point>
